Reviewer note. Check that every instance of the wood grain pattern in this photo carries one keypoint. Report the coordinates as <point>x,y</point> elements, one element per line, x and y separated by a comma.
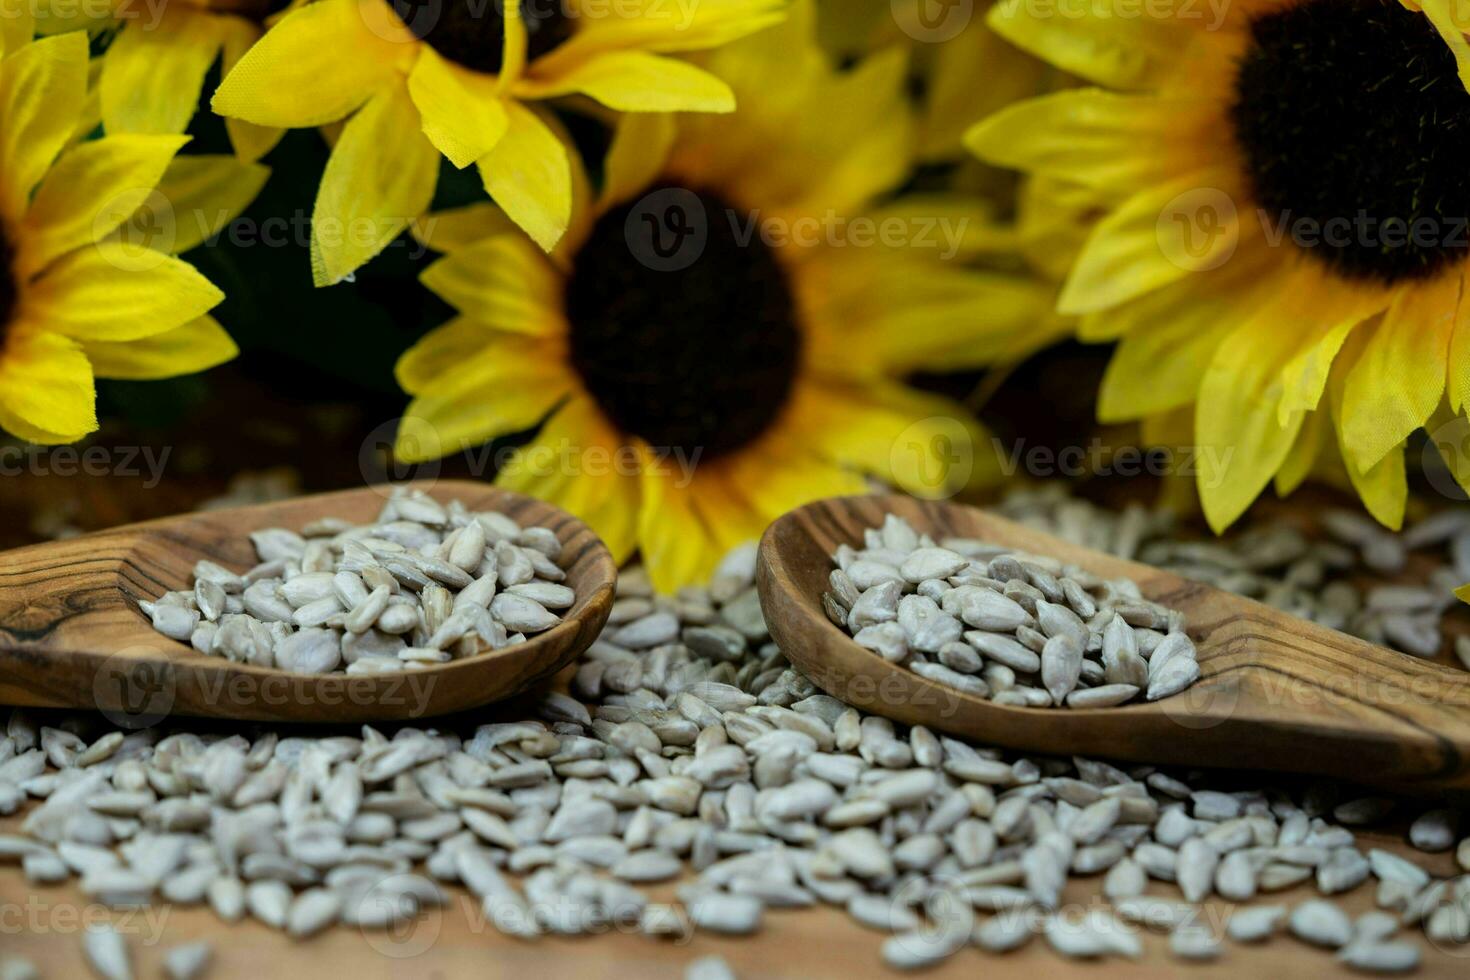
<point>1277,693</point>
<point>72,634</point>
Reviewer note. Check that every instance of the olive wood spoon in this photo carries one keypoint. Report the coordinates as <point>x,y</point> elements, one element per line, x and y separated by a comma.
<point>73,636</point>
<point>1276,692</point>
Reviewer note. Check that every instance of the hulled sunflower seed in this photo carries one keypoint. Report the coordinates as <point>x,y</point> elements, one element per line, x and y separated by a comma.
<point>1037,639</point>
<point>371,590</point>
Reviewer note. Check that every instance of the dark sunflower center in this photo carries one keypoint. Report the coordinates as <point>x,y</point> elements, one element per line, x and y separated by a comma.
<point>1355,130</point>
<point>9,292</point>
<point>472,32</point>
<point>683,323</point>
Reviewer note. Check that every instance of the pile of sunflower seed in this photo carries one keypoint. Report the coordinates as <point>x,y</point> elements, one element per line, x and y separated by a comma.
<point>693,751</point>
<point>1018,629</point>
<point>424,584</point>
<point>1276,563</point>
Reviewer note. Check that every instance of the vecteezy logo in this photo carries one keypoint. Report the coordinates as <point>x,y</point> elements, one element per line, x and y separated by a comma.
<point>932,21</point>
<point>1446,458</point>
<point>419,16</point>
<point>402,927</point>
<point>1198,230</point>
<point>142,223</point>
<point>933,458</point>
<point>667,229</point>
<point>135,688</point>
<point>1203,705</point>
<point>380,465</point>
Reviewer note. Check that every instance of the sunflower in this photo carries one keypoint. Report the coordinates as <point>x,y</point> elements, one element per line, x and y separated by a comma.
<point>1282,250</point>
<point>458,77</point>
<point>704,362</point>
<point>960,68</point>
<point>78,298</point>
<point>153,70</point>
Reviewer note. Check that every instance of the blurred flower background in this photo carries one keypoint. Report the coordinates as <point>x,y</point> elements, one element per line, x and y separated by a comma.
<point>679,266</point>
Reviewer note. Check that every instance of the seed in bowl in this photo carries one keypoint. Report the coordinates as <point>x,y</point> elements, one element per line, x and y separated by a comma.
<point>1018,629</point>
<point>424,584</point>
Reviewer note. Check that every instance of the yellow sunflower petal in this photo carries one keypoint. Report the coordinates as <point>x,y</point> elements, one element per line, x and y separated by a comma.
<point>509,387</point>
<point>1305,375</point>
<point>502,283</point>
<point>455,228</point>
<point>1305,453</point>
<point>1122,52</point>
<point>1400,379</point>
<point>205,193</point>
<point>640,145</point>
<point>1384,486</point>
<point>196,346</point>
<point>973,74</point>
<point>251,142</point>
<point>529,176</point>
<point>580,463</point>
<point>1457,387</point>
<point>462,113</point>
<point>151,78</point>
<point>658,25</point>
<point>1241,442</point>
<point>783,471</point>
<point>1159,369</point>
<point>54,17</point>
<point>1169,336</point>
<point>317,64</point>
<point>1441,14</point>
<point>42,89</point>
<point>439,352</point>
<point>1449,433</point>
<point>110,292</point>
<point>1463,593</point>
<point>93,188</point>
<point>17,24</point>
<point>694,510</point>
<point>46,389</point>
<point>865,143</point>
<point>679,544</point>
<point>690,517</point>
<point>636,81</point>
<point>953,225</point>
<point>513,47</point>
<point>926,444</point>
<point>1136,250</point>
<point>380,176</point>
<point>1097,138</point>
<point>881,311</point>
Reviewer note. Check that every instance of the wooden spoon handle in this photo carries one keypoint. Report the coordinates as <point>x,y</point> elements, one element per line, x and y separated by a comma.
<point>1314,692</point>
<point>63,596</point>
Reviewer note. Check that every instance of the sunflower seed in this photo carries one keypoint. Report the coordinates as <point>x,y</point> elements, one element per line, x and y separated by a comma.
<point>1194,941</point>
<point>107,953</point>
<point>707,749</point>
<point>709,968</point>
<point>188,962</point>
<point>1374,957</point>
<point>1095,935</point>
<point>366,588</point>
<point>1028,643</point>
<point>1255,924</point>
<point>737,915</point>
<point>1320,923</point>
